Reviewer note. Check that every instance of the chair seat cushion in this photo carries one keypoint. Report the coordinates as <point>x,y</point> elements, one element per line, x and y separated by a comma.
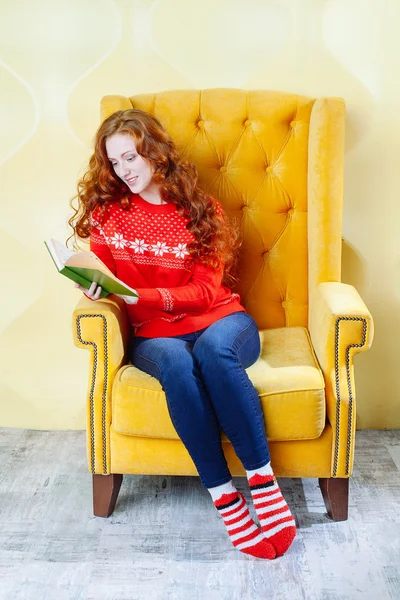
<point>286,376</point>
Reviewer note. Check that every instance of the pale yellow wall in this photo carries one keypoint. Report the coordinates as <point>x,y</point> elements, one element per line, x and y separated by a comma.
<point>59,58</point>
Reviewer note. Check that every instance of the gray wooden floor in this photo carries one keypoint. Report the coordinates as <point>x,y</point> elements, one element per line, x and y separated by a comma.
<point>165,541</point>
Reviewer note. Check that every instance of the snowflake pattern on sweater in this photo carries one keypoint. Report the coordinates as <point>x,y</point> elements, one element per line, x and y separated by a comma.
<point>139,246</point>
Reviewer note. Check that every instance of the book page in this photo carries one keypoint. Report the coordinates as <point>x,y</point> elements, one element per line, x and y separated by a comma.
<point>88,260</point>
<point>59,252</point>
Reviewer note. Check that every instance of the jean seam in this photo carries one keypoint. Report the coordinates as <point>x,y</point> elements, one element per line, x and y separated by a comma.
<point>239,341</point>
<point>243,374</point>
<point>261,429</point>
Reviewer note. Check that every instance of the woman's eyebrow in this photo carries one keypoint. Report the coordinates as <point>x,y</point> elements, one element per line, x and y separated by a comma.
<point>123,154</point>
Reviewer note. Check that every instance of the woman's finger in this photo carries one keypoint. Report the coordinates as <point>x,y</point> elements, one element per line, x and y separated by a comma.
<point>91,292</point>
<point>92,288</point>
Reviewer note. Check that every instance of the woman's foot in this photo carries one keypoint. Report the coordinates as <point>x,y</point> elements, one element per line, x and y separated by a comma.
<point>276,520</point>
<point>245,535</point>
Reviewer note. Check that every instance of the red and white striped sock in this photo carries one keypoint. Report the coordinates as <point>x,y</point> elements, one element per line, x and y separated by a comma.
<point>245,535</point>
<point>276,520</point>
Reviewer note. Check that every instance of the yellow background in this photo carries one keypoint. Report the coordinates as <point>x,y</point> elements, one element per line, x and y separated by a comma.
<point>57,59</point>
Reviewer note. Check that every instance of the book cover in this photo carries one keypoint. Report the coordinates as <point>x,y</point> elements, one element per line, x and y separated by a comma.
<point>86,267</point>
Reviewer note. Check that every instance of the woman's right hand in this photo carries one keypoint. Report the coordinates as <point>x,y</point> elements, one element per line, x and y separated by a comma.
<point>93,292</point>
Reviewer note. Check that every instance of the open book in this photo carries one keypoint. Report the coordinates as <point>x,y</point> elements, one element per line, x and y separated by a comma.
<point>86,267</point>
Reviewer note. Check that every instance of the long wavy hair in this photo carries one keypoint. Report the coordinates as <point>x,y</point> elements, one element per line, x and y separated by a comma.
<point>216,239</point>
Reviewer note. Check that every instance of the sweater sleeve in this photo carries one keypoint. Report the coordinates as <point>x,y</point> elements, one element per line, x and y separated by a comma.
<point>98,244</point>
<point>197,296</point>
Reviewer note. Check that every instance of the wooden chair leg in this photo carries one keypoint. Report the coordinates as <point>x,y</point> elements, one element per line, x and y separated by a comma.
<point>335,492</point>
<point>105,493</point>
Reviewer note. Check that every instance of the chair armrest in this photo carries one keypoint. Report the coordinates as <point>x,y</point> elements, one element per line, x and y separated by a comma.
<point>340,326</point>
<point>102,328</point>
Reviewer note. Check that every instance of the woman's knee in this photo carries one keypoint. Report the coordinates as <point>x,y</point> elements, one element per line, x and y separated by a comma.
<point>238,340</point>
<point>211,350</point>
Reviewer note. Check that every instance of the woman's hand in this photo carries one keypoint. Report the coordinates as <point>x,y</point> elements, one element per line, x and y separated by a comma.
<point>128,299</point>
<point>94,294</point>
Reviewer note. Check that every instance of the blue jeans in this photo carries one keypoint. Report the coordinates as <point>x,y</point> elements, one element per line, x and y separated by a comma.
<point>208,390</point>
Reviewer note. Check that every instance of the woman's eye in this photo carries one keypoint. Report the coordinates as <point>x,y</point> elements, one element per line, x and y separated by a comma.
<point>114,164</point>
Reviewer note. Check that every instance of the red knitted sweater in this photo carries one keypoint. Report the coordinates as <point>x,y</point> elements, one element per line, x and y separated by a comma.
<point>146,248</point>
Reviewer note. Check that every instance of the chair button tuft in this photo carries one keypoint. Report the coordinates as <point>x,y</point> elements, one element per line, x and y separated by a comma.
<point>292,124</point>
<point>247,123</point>
<point>223,169</point>
<point>269,169</point>
<point>200,124</point>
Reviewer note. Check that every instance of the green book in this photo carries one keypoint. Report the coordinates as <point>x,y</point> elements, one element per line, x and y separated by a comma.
<point>86,267</point>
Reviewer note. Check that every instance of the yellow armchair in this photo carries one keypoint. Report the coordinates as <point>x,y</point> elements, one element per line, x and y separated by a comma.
<point>275,162</point>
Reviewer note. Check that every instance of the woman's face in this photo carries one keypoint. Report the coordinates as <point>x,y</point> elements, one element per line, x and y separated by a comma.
<point>128,165</point>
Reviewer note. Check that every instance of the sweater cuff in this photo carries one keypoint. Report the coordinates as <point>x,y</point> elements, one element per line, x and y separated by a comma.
<point>150,297</point>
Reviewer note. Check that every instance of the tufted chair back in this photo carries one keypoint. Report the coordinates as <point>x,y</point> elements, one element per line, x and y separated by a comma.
<point>252,152</point>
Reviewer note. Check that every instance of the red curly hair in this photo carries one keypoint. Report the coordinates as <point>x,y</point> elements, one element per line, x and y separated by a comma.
<point>216,240</point>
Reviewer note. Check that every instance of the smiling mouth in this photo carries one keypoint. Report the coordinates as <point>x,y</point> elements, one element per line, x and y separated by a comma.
<point>130,181</point>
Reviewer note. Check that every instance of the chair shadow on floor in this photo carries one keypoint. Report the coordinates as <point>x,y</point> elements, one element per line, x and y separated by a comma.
<point>303,497</point>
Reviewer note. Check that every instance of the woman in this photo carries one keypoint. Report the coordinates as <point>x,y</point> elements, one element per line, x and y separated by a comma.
<point>151,224</point>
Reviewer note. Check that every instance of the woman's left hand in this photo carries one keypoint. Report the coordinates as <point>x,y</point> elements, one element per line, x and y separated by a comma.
<point>128,299</point>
